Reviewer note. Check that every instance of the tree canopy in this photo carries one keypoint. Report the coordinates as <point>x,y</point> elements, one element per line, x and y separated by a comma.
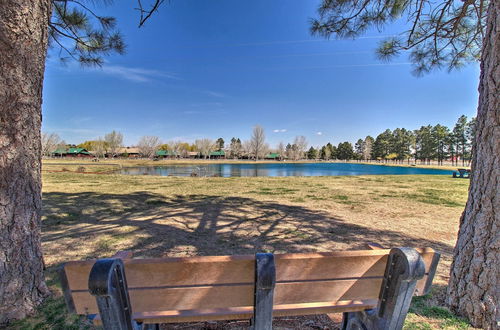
<point>438,34</point>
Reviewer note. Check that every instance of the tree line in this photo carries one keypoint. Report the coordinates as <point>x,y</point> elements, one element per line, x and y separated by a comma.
<point>427,143</point>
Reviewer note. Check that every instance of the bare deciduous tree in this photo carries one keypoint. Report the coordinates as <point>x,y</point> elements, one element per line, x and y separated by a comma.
<point>246,149</point>
<point>114,141</point>
<point>258,142</point>
<point>148,145</point>
<point>205,147</point>
<point>280,150</point>
<point>300,144</point>
<point>99,147</point>
<point>176,147</point>
<point>50,142</point>
<point>367,148</point>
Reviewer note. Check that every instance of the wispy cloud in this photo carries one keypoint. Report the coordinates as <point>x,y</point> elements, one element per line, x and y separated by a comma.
<point>205,104</point>
<point>192,112</point>
<point>319,133</point>
<point>134,74</point>
<point>279,130</point>
<point>214,94</point>
<point>204,112</point>
<point>81,120</point>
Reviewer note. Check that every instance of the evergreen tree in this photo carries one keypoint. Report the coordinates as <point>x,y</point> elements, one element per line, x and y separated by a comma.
<point>440,136</point>
<point>471,136</point>
<point>345,151</point>
<point>425,148</point>
<point>402,142</point>
<point>312,153</point>
<point>358,148</point>
<point>382,145</point>
<point>219,144</point>
<point>460,137</point>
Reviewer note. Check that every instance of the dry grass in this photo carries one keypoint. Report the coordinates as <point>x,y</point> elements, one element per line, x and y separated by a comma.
<point>90,215</point>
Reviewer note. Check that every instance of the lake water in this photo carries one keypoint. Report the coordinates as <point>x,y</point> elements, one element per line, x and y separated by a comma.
<point>277,169</point>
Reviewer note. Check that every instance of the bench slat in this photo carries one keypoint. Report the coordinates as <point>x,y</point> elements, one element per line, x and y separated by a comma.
<point>329,267</point>
<point>140,273</point>
<point>158,299</point>
<point>241,313</point>
<point>306,292</point>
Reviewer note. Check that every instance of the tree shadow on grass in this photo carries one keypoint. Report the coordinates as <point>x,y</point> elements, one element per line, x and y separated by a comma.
<point>86,225</point>
<point>153,225</point>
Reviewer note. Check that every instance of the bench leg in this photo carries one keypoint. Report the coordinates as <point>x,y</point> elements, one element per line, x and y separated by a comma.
<point>265,281</point>
<point>404,268</point>
<point>108,284</point>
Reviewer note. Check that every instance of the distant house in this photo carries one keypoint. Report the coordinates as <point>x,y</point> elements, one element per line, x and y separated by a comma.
<point>193,154</point>
<point>165,154</point>
<point>128,152</point>
<point>71,152</point>
<point>217,154</point>
<point>272,156</point>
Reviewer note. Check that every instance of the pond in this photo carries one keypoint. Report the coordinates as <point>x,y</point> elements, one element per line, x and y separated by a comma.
<point>277,169</point>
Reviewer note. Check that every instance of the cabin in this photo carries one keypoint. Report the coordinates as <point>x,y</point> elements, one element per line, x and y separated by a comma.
<point>272,156</point>
<point>217,154</point>
<point>193,154</point>
<point>128,152</point>
<point>165,154</point>
<point>71,152</point>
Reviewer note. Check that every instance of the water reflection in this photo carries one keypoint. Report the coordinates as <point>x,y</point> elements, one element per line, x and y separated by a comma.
<point>276,169</point>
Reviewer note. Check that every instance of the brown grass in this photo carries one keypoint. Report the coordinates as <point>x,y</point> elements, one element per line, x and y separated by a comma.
<point>96,215</point>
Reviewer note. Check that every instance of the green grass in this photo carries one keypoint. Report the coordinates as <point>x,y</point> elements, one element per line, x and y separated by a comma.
<point>436,316</point>
<point>434,196</point>
<point>52,315</point>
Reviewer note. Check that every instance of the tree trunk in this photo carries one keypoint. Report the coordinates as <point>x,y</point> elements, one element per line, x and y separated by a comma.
<point>23,46</point>
<point>475,272</point>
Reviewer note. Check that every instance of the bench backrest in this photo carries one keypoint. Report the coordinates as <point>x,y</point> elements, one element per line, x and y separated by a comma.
<point>304,281</point>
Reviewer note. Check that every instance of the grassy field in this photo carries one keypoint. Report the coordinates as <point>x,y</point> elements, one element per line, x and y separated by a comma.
<point>96,215</point>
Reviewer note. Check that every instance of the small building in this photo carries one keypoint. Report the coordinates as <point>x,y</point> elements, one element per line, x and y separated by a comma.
<point>193,154</point>
<point>71,152</point>
<point>217,154</point>
<point>272,156</point>
<point>165,154</point>
<point>128,152</point>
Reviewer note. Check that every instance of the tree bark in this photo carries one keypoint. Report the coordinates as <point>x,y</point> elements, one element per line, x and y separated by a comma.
<point>474,285</point>
<point>23,47</point>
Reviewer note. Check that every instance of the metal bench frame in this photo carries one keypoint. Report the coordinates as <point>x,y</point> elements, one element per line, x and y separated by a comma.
<point>405,266</point>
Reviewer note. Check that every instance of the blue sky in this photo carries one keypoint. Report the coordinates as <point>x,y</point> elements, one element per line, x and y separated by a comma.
<point>217,68</point>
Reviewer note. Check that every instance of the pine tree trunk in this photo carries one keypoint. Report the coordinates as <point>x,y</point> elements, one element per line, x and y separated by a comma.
<point>475,274</point>
<point>23,45</point>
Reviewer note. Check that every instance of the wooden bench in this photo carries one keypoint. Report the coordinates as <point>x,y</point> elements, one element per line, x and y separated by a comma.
<point>373,288</point>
